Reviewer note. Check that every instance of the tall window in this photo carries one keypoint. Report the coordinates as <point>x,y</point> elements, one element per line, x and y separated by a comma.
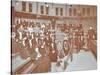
<point>74,12</point>
<point>61,11</point>
<point>93,11</point>
<point>56,11</point>
<point>23,6</point>
<point>42,10</point>
<point>47,10</point>
<point>30,7</point>
<point>88,11</point>
<point>83,10</point>
<point>70,11</point>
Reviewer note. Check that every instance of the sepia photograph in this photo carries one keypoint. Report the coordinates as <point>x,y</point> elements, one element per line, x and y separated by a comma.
<point>48,37</point>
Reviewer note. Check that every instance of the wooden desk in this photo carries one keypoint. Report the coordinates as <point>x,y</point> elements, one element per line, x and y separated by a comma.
<point>39,66</point>
<point>42,65</point>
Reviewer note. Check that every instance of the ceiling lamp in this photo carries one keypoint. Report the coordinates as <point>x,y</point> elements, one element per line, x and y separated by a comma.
<point>17,3</point>
<point>46,4</point>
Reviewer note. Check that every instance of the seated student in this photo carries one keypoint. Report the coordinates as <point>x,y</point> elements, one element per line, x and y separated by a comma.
<point>38,54</point>
<point>14,43</point>
<point>47,43</point>
<point>61,53</point>
<point>30,43</point>
<point>17,36</point>
<point>66,45</point>
<point>53,53</point>
<point>91,34</point>
<point>23,47</point>
<point>24,51</point>
<point>42,48</point>
<point>20,31</point>
<point>77,41</point>
<point>37,39</point>
<point>30,40</point>
<point>81,38</point>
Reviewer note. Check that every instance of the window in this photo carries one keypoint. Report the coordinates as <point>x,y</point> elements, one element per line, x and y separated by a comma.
<point>61,11</point>
<point>94,11</point>
<point>30,7</point>
<point>74,12</point>
<point>23,6</point>
<point>70,11</point>
<point>83,10</point>
<point>47,10</point>
<point>88,11</point>
<point>56,11</point>
<point>42,10</point>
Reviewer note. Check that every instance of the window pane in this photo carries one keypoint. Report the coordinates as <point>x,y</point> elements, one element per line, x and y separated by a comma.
<point>70,11</point>
<point>74,11</point>
<point>23,6</point>
<point>42,10</point>
<point>88,11</point>
<point>30,7</point>
<point>56,11</point>
<point>61,11</point>
<point>83,11</point>
<point>47,10</point>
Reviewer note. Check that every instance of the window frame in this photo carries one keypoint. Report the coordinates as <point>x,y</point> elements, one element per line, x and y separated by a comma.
<point>30,7</point>
<point>23,6</point>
